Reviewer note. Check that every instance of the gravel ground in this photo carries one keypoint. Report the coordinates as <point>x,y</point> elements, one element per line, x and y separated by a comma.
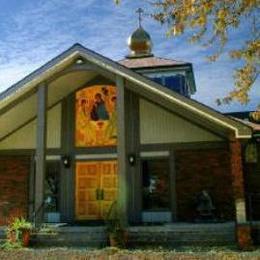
<point>114,253</point>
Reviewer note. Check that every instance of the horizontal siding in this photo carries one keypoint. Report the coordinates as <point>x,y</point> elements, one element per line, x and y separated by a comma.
<point>18,115</point>
<point>160,126</point>
<point>54,127</point>
<point>24,138</point>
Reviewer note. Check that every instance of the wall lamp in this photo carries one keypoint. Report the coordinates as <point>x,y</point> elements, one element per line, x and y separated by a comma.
<point>251,155</point>
<point>66,161</point>
<point>132,159</point>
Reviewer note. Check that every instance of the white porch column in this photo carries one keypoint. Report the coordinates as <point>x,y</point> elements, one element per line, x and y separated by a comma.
<point>41,137</point>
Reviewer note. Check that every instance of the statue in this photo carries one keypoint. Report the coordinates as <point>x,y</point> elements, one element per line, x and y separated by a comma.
<point>204,206</point>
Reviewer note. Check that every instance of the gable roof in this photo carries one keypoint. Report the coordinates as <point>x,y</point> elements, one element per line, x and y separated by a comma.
<point>138,83</point>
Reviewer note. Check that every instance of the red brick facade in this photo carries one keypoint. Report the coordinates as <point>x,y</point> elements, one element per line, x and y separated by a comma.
<point>243,230</point>
<point>237,169</point>
<point>14,183</point>
<point>204,169</point>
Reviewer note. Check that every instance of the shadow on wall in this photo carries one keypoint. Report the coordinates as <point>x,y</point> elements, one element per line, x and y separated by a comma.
<point>14,179</point>
<point>199,170</point>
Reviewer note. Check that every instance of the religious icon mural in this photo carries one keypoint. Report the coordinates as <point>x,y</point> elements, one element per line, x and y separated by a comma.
<point>96,119</point>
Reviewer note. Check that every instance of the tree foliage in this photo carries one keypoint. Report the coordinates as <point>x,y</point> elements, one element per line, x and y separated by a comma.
<point>210,22</point>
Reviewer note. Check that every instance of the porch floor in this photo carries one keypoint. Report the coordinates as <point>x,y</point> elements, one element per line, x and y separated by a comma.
<point>182,234</point>
<point>169,235</point>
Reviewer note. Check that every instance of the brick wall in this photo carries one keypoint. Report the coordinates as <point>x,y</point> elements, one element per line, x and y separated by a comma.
<point>204,169</point>
<point>14,180</point>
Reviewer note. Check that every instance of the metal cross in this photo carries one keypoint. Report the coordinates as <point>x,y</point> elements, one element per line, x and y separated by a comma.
<point>140,11</point>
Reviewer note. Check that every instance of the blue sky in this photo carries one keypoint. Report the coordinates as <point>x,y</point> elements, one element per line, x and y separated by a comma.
<point>32,32</point>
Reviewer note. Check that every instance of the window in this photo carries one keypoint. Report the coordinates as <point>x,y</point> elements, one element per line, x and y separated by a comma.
<point>156,185</point>
<point>176,83</point>
<point>52,191</point>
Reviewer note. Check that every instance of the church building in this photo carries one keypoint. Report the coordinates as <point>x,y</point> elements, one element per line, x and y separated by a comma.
<point>83,131</point>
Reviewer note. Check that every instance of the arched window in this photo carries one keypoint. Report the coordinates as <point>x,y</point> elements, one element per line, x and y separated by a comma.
<point>96,119</point>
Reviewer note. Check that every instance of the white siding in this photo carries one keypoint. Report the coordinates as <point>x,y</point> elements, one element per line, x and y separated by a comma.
<point>54,127</point>
<point>25,137</point>
<point>18,115</point>
<point>160,126</point>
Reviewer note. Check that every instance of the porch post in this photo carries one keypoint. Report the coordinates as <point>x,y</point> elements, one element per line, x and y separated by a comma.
<point>121,150</point>
<point>40,151</point>
<point>243,232</point>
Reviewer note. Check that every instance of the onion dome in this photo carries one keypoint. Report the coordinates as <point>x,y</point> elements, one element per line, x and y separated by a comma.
<point>140,43</point>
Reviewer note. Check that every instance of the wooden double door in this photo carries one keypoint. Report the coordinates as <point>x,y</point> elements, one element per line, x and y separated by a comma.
<point>96,189</point>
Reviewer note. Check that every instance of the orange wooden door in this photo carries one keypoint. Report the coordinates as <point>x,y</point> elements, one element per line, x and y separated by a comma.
<point>87,183</point>
<point>96,188</point>
<point>109,184</point>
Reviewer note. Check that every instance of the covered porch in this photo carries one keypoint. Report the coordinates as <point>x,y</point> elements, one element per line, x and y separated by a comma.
<point>166,150</point>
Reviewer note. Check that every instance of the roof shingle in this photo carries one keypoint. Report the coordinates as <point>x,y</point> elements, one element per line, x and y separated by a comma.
<point>148,62</point>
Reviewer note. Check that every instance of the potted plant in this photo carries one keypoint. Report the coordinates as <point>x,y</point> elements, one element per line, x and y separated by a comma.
<point>19,230</point>
<point>116,232</point>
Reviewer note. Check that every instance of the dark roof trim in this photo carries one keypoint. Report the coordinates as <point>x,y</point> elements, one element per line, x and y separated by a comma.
<point>159,67</point>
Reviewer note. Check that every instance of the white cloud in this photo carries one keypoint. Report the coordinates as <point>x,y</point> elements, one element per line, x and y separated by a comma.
<point>45,28</point>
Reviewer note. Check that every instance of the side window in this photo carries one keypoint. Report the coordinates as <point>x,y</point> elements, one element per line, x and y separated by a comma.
<point>156,184</point>
<point>52,192</point>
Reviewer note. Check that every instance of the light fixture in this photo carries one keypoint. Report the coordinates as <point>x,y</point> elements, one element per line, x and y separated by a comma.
<point>251,152</point>
<point>255,116</point>
<point>66,161</point>
<point>79,61</point>
<point>131,159</point>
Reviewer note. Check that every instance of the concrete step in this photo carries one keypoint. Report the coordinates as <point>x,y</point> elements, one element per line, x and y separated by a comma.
<point>176,234</point>
<point>71,236</point>
<point>183,234</point>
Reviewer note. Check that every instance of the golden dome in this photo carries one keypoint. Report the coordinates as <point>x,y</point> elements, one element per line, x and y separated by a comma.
<point>140,43</point>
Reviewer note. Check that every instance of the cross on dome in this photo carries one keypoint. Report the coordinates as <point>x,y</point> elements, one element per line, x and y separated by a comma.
<point>140,12</point>
<point>140,42</point>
